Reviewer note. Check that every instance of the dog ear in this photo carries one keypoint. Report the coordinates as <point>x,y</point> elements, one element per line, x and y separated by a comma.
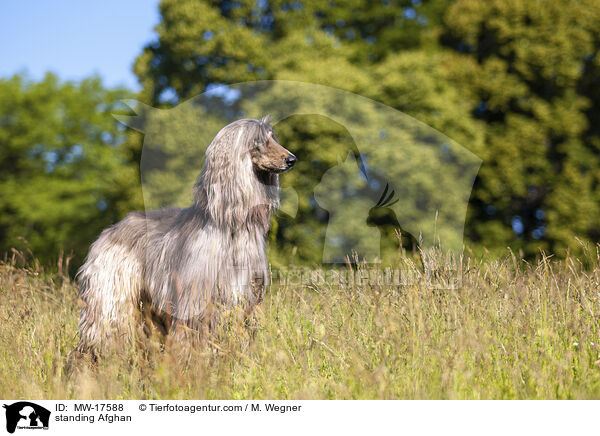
<point>265,119</point>
<point>137,121</point>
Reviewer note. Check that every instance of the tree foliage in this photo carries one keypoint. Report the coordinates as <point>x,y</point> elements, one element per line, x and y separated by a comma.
<point>515,82</point>
<point>64,172</point>
<point>531,74</point>
<point>202,44</point>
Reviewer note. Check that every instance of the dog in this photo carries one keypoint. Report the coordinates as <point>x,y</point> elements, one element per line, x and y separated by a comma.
<point>189,264</point>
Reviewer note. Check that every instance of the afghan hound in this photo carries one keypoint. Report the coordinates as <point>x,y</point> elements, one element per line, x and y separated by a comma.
<point>188,265</point>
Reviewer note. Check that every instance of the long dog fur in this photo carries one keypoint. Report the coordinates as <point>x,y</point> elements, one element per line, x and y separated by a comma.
<point>189,264</point>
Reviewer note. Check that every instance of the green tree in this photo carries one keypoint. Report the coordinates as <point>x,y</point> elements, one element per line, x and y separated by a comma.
<point>64,168</point>
<point>530,72</point>
<point>515,82</point>
<point>371,50</point>
<point>202,42</point>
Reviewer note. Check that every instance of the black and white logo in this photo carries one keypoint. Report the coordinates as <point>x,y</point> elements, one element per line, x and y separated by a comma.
<point>26,415</point>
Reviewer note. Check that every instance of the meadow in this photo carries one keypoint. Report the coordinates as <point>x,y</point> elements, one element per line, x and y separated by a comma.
<point>513,330</point>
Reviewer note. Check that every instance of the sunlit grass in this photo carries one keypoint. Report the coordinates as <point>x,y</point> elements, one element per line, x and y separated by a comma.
<point>512,330</point>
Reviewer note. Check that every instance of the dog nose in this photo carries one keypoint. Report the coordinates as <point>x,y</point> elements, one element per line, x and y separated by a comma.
<point>290,161</point>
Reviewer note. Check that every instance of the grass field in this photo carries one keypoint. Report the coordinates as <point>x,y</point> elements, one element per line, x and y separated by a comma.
<point>513,330</point>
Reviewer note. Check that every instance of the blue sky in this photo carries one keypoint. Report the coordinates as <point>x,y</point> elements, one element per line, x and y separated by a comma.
<point>75,39</point>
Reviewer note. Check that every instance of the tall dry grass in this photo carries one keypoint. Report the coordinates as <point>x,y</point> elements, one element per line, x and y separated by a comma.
<point>512,330</point>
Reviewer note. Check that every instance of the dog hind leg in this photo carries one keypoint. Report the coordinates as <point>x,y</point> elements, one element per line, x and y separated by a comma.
<point>110,284</point>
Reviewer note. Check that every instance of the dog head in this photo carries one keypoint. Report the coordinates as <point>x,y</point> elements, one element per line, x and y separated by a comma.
<point>267,154</point>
